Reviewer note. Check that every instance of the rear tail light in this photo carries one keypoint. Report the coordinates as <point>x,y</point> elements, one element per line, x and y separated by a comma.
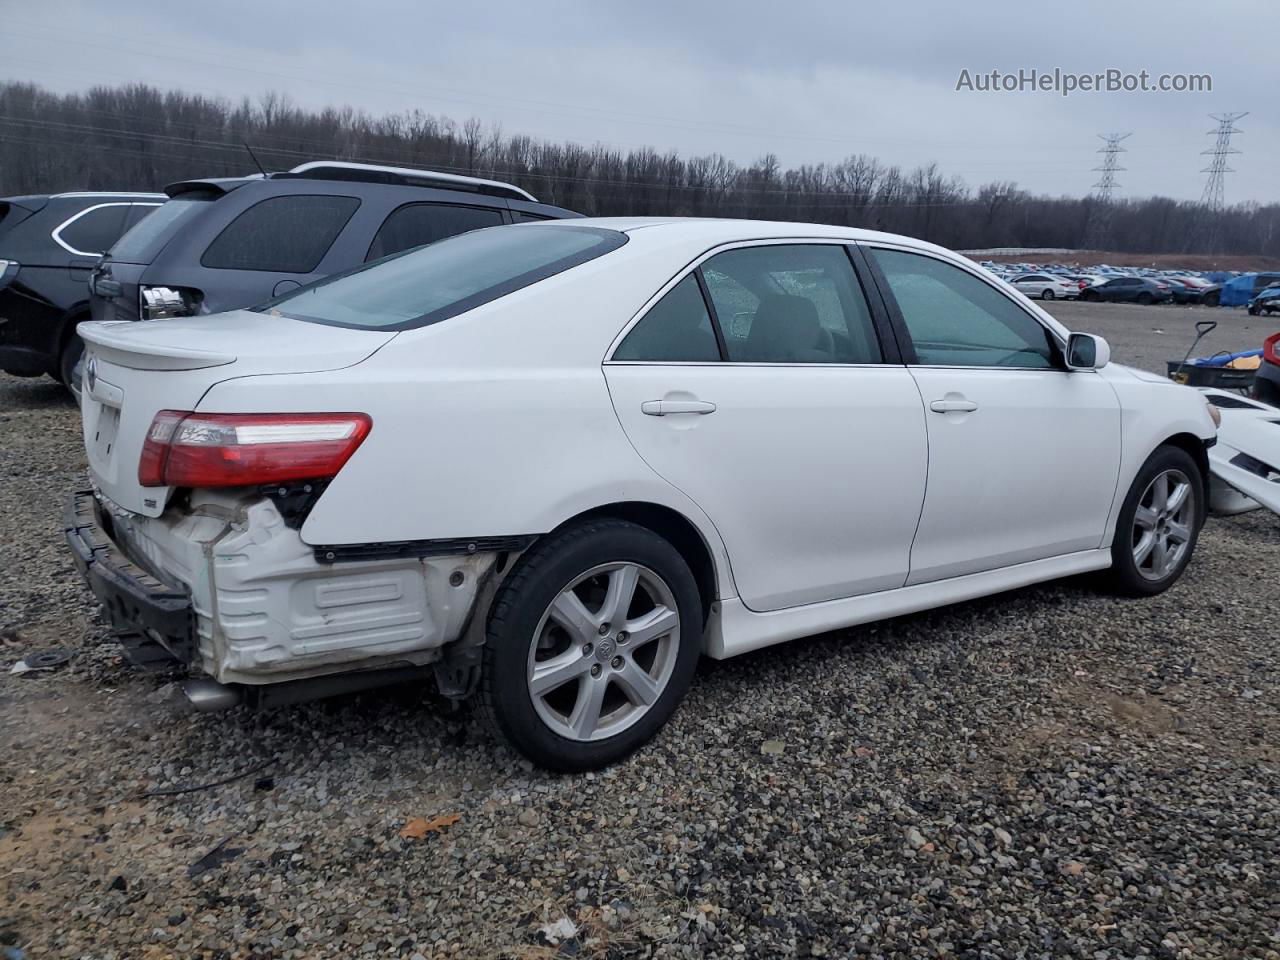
<point>159,303</point>
<point>1271,349</point>
<point>185,449</point>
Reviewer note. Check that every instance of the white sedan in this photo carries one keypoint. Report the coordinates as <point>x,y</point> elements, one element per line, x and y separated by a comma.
<point>1046,286</point>
<point>554,464</point>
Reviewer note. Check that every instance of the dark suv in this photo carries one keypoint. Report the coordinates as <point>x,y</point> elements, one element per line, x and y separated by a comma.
<point>229,243</point>
<point>48,246</point>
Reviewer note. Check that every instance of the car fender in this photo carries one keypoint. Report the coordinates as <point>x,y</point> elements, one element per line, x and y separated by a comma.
<point>1153,411</point>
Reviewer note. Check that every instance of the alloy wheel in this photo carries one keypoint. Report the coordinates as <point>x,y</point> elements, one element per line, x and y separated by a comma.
<point>604,651</point>
<point>1162,524</point>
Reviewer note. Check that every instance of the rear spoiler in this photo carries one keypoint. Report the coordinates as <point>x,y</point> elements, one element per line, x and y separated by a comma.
<point>219,185</point>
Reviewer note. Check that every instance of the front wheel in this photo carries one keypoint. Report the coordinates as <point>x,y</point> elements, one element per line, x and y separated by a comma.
<point>592,643</point>
<point>1252,311</point>
<point>1145,299</point>
<point>1046,295</point>
<point>1158,525</point>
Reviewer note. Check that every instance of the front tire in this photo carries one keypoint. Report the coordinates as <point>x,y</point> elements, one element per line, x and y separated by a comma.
<point>1145,299</point>
<point>592,643</point>
<point>1046,295</point>
<point>1158,525</point>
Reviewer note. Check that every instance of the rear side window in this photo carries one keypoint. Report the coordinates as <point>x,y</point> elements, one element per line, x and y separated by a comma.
<point>791,303</point>
<point>289,234</point>
<point>519,216</point>
<point>144,241</point>
<point>417,223</point>
<point>429,284</point>
<point>94,230</point>
<point>677,328</point>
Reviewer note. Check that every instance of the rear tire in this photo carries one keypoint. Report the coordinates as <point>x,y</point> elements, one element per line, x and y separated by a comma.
<point>1211,299</point>
<point>69,359</point>
<point>598,627</point>
<point>1090,296</point>
<point>1158,526</point>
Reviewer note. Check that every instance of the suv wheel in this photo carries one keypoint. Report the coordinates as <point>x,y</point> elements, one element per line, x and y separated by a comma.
<point>1158,525</point>
<point>69,361</point>
<point>592,643</point>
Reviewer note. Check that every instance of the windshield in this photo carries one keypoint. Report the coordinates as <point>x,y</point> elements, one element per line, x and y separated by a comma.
<point>149,235</point>
<point>443,279</point>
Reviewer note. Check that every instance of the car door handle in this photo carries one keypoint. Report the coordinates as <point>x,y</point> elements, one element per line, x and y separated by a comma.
<point>953,406</point>
<point>662,408</point>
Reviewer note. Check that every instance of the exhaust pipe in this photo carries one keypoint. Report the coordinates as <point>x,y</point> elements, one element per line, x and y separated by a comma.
<point>209,696</point>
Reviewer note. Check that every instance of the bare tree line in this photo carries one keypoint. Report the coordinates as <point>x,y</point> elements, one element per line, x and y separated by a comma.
<point>139,137</point>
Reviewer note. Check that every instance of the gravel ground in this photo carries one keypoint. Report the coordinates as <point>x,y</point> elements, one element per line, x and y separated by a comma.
<point>1047,773</point>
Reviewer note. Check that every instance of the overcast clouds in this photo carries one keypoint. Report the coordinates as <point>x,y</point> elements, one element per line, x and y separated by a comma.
<point>808,81</point>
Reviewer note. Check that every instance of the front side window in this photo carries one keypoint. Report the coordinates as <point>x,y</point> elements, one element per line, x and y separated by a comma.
<point>791,303</point>
<point>416,224</point>
<point>289,234</point>
<point>429,284</point>
<point>676,329</point>
<point>957,320</point>
<point>94,230</point>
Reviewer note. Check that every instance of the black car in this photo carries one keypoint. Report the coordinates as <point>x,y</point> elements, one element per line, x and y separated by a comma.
<point>1192,290</point>
<point>1267,302</point>
<point>48,246</point>
<point>1128,290</point>
<point>224,244</point>
<point>1266,382</point>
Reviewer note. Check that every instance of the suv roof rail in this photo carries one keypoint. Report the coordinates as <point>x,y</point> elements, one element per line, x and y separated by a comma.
<point>407,176</point>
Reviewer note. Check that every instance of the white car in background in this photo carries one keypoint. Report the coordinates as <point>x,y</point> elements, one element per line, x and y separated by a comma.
<point>1045,286</point>
<point>554,464</point>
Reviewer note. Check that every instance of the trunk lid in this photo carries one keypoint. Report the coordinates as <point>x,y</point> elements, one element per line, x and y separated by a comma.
<point>133,370</point>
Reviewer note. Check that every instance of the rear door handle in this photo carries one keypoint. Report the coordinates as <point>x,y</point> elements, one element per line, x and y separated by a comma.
<point>662,408</point>
<point>953,406</point>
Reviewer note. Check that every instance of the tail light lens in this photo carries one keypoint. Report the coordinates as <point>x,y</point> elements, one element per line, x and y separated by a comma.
<point>185,449</point>
<point>160,303</point>
<point>1271,349</point>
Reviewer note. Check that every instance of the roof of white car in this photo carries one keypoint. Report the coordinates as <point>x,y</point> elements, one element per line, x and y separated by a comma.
<point>716,231</point>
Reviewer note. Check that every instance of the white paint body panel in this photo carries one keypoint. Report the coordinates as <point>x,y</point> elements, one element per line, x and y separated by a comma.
<point>814,475</point>
<point>1255,432</point>
<point>806,485</point>
<point>1031,473</point>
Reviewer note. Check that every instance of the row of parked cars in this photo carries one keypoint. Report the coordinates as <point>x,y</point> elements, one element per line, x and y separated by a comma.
<point>1058,284</point>
<point>206,246</point>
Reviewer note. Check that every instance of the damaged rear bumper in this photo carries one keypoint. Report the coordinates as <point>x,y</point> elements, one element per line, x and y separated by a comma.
<point>135,602</point>
<point>245,601</point>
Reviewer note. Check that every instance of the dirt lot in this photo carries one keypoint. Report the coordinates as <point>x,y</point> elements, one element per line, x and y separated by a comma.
<point>1048,773</point>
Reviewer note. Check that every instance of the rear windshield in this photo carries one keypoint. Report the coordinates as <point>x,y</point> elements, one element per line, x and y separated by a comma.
<point>446,278</point>
<point>149,236</point>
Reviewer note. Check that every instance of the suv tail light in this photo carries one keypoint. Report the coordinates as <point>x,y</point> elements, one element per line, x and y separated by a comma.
<point>186,449</point>
<point>159,303</point>
<point>1271,349</point>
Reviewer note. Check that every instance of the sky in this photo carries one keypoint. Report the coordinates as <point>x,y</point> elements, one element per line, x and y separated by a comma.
<point>806,80</point>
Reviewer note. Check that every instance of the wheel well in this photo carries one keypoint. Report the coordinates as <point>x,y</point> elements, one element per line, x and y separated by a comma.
<point>1194,446</point>
<point>676,530</point>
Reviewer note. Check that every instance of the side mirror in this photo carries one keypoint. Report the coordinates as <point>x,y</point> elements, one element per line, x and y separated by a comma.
<point>1087,352</point>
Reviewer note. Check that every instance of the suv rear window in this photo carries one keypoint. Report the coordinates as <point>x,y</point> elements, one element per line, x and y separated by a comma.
<point>93,230</point>
<point>449,277</point>
<point>289,234</point>
<point>417,223</point>
<point>141,243</point>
